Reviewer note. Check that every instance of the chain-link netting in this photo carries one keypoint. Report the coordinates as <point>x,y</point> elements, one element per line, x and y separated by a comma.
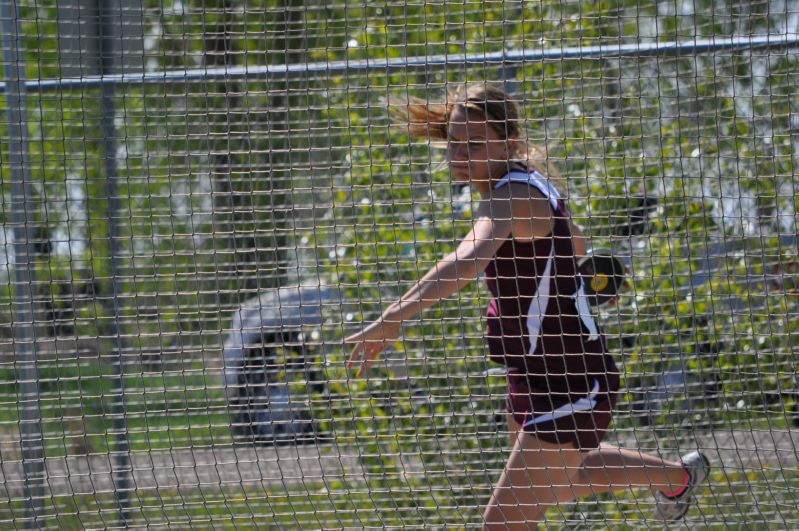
<point>200,200</point>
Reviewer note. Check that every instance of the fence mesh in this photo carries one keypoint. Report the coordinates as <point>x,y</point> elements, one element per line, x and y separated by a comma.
<point>201,199</point>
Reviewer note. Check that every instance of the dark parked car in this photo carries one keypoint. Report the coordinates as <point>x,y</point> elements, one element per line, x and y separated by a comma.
<point>274,364</point>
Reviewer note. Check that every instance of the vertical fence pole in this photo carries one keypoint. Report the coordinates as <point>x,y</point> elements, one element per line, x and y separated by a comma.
<point>509,71</point>
<point>30,421</point>
<point>121,470</point>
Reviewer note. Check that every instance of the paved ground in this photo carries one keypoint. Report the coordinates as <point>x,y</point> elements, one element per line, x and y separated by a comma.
<point>291,467</point>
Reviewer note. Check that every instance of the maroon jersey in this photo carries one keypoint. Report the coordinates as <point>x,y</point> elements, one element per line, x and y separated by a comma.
<point>539,323</point>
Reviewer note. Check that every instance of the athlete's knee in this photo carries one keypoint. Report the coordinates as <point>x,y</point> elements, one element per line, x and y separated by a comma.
<point>518,503</point>
<point>581,475</point>
<point>494,518</point>
<point>576,487</point>
<point>581,480</point>
<point>593,459</point>
<point>511,518</point>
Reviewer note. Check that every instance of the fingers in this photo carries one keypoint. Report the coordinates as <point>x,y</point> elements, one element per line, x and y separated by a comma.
<point>365,365</point>
<point>624,287</point>
<point>354,357</point>
<point>364,353</point>
<point>365,358</point>
<point>370,342</point>
<point>359,353</point>
<point>354,338</point>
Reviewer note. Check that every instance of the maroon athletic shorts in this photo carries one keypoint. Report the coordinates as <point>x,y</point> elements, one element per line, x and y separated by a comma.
<point>563,418</point>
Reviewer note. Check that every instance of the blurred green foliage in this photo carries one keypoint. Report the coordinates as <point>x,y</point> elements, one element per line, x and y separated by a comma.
<point>230,187</point>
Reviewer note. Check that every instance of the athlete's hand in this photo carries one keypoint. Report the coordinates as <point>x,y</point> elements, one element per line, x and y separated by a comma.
<point>370,342</point>
<point>624,287</point>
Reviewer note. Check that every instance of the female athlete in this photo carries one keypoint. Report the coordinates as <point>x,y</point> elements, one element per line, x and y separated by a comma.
<point>562,382</point>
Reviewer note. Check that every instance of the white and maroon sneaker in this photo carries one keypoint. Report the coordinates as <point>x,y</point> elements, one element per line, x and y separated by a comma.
<point>671,508</point>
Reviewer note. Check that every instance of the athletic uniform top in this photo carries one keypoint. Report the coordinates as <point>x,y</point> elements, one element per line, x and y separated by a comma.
<point>539,323</point>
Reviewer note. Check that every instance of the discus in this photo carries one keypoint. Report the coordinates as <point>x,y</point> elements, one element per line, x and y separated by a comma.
<point>603,276</point>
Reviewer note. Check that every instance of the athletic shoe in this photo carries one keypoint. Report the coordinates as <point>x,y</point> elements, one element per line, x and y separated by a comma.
<point>670,508</point>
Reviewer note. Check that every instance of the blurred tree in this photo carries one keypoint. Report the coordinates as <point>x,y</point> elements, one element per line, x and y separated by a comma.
<point>685,164</point>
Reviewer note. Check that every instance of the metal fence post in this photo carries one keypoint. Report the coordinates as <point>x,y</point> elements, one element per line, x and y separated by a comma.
<point>121,470</point>
<point>30,421</point>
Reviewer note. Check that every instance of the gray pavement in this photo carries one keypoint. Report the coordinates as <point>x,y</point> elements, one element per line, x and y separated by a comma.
<point>311,466</point>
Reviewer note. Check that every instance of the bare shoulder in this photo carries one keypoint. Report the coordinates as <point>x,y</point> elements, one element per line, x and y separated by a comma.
<point>530,210</point>
<point>527,199</point>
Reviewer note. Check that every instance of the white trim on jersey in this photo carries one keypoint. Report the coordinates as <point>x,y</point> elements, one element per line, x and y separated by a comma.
<point>534,179</point>
<point>586,403</point>
<point>538,306</point>
<point>584,309</point>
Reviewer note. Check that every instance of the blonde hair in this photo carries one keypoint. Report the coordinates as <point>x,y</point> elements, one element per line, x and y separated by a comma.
<point>428,120</point>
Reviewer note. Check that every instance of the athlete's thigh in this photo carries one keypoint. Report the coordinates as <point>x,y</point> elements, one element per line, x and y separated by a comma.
<point>536,471</point>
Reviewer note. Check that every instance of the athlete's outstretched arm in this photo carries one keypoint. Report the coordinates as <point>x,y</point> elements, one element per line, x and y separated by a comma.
<point>491,229</point>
